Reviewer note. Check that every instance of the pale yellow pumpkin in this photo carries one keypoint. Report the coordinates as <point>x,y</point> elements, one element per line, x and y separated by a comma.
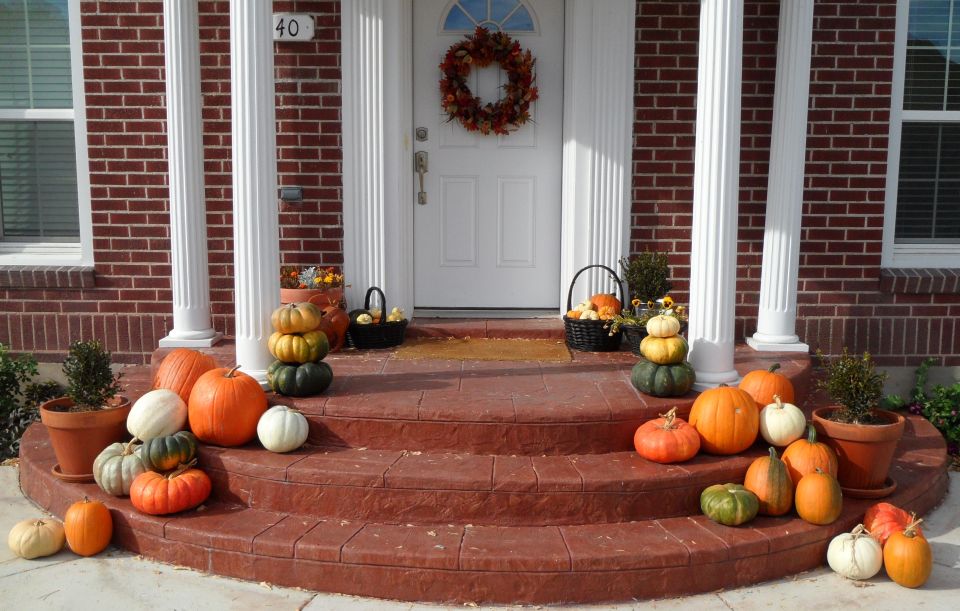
<point>664,350</point>
<point>663,326</point>
<point>589,315</point>
<point>36,538</point>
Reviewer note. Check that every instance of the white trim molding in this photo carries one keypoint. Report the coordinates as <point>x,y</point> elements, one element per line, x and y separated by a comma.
<point>378,198</point>
<point>777,316</point>
<point>189,275</point>
<point>716,179</point>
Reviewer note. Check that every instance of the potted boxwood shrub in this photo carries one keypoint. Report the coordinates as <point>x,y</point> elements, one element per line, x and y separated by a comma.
<point>90,417</point>
<point>863,436</point>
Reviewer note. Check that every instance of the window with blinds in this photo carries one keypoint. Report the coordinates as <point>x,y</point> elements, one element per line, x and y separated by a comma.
<point>928,189</point>
<point>38,172</point>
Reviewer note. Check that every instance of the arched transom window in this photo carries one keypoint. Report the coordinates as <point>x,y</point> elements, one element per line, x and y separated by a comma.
<point>495,15</point>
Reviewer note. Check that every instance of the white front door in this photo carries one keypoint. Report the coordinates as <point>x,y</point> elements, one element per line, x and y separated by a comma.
<point>488,235</point>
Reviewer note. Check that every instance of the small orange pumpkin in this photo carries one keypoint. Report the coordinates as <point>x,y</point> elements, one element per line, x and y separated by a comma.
<point>225,407</point>
<point>575,314</point>
<point>819,498</point>
<point>180,370</point>
<point>764,384</point>
<point>602,300</point>
<point>907,557</point>
<point>769,479</point>
<point>667,439</point>
<point>606,312</point>
<point>88,527</point>
<point>726,419</point>
<point>807,455</point>
<point>160,494</point>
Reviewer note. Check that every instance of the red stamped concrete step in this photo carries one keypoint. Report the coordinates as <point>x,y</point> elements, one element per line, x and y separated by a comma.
<point>454,562</point>
<point>383,485</point>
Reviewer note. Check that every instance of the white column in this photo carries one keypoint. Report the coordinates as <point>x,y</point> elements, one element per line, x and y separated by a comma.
<point>597,124</point>
<point>777,317</point>
<point>716,179</point>
<point>188,222</point>
<point>256,235</point>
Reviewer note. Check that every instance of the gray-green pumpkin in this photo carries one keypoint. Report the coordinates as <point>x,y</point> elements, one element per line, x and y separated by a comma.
<point>663,380</point>
<point>299,380</point>
<point>166,453</point>
<point>729,504</point>
<point>117,466</point>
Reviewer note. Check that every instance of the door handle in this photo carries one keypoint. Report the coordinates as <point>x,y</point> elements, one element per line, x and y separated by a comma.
<point>420,164</point>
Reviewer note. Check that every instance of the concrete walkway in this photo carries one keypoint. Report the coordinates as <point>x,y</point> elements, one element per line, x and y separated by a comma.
<point>119,580</point>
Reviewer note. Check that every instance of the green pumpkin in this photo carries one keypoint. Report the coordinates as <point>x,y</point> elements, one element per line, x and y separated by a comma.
<point>299,380</point>
<point>729,504</point>
<point>663,380</point>
<point>162,454</point>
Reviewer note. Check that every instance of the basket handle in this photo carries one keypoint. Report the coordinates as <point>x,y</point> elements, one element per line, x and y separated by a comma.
<point>577,275</point>
<point>383,303</point>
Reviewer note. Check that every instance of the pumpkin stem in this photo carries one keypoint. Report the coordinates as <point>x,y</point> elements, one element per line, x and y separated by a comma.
<point>859,531</point>
<point>773,454</point>
<point>722,385</point>
<point>811,433</point>
<point>774,367</point>
<point>182,469</point>
<point>778,401</point>
<point>669,418</point>
<point>912,527</point>
<point>128,449</point>
<point>230,373</point>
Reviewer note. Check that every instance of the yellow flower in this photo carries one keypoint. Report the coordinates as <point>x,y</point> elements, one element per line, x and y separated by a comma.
<point>668,302</point>
<point>635,303</point>
<point>316,280</point>
<point>328,279</point>
<point>650,305</point>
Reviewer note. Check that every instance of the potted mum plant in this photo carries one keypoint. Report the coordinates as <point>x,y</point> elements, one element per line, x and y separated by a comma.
<point>90,417</point>
<point>647,275</point>
<point>319,286</point>
<point>863,436</point>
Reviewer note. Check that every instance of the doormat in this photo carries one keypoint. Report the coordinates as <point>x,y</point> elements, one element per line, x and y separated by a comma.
<point>482,349</point>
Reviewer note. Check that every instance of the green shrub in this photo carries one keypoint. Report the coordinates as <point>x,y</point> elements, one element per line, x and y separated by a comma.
<point>647,275</point>
<point>90,381</point>
<point>941,406</point>
<point>19,399</point>
<point>854,384</point>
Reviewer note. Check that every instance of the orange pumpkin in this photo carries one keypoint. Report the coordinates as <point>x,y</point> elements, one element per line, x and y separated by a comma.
<point>607,312</point>
<point>726,419</point>
<point>769,479</point>
<point>884,519</point>
<point>763,384</point>
<point>819,498</point>
<point>159,494</point>
<point>807,455</point>
<point>575,314</point>
<point>88,527</point>
<point>667,439</point>
<point>225,406</point>
<point>180,369</point>
<point>338,321</point>
<point>604,300</point>
<point>907,557</point>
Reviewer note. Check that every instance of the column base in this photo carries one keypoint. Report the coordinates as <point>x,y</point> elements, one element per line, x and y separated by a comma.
<point>767,343</point>
<point>198,339</point>
<point>708,380</point>
<point>260,375</point>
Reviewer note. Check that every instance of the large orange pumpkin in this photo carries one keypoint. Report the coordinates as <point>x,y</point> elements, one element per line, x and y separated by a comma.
<point>726,419</point>
<point>807,455</point>
<point>884,519</point>
<point>88,527</point>
<point>225,406</point>
<point>335,320</point>
<point>768,478</point>
<point>602,300</point>
<point>907,557</point>
<point>819,498</point>
<point>763,384</point>
<point>160,494</point>
<point>667,439</point>
<point>180,369</point>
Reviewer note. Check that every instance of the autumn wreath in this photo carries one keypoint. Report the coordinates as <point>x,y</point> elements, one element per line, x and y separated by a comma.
<point>509,112</point>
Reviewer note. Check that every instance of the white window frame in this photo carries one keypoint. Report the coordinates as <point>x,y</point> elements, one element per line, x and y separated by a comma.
<point>920,255</point>
<point>62,253</point>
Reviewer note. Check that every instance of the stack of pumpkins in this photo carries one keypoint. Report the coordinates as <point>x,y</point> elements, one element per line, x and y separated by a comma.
<point>299,345</point>
<point>662,370</point>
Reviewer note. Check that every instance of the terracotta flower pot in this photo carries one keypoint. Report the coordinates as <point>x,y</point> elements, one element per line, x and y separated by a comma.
<point>864,451</point>
<point>318,297</point>
<point>78,437</point>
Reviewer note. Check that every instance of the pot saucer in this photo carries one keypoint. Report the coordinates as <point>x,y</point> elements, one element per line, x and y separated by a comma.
<point>73,479</point>
<point>871,493</point>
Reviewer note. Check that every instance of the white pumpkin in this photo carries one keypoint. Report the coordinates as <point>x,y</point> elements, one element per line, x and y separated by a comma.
<point>282,429</point>
<point>364,319</point>
<point>589,315</point>
<point>36,538</point>
<point>782,423</point>
<point>855,555</point>
<point>158,413</point>
<point>116,467</point>
<point>584,306</point>
<point>395,315</point>
<point>663,326</point>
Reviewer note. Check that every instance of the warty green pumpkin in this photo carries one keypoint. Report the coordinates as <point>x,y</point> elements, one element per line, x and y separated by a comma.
<point>166,453</point>
<point>729,504</point>
<point>662,380</point>
<point>299,380</point>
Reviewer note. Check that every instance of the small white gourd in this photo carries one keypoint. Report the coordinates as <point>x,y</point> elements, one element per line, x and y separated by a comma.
<point>589,315</point>
<point>782,423</point>
<point>855,555</point>
<point>364,319</point>
<point>282,429</point>
<point>36,538</point>
<point>663,326</point>
<point>158,413</point>
<point>116,467</point>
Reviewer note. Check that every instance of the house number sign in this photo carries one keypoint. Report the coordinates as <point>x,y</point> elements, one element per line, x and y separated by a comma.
<point>292,26</point>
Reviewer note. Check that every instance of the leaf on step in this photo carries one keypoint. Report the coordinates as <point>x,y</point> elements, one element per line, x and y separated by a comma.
<point>431,533</point>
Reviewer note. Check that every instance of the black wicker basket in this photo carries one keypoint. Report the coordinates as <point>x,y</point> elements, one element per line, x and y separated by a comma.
<point>591,335</point>
<point>380,334</point>
<point>634,335</point>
